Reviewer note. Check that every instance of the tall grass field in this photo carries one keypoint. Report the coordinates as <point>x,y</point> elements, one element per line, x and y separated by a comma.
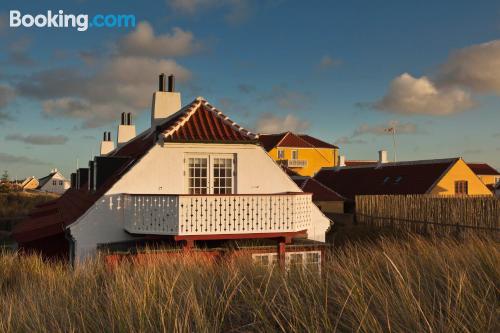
<point>415,285</point>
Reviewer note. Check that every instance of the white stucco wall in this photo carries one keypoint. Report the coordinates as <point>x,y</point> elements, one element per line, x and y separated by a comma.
<point>161,171</point>
<point>57,188</point>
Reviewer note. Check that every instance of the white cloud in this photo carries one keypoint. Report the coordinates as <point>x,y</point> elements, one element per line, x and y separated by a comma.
<point>269,123</point>
<point>38,139</point>
<point>472,69</point>
<point>125,84</point>
<point>476,67</point>
<point>410,95</point>
<point>143,42</point>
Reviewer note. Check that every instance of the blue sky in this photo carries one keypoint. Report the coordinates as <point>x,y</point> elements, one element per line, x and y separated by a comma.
<point>333,69</point>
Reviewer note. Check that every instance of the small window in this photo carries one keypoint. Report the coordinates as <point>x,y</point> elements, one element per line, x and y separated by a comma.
<point>295,154</point>
<point>281,154</point>
<point>265,259</point>
<point>60,183</point>
<point>461,187</point>
<point>54,182</point>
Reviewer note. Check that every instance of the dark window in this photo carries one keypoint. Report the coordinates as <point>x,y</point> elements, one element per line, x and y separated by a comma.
<point>461,187</point>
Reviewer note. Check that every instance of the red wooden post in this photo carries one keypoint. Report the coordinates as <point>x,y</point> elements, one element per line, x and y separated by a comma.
<point>281,253</point>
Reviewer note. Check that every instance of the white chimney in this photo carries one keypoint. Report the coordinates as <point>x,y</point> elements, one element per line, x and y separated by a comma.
<point>341,161</point>
<point>107,145</point>
<point>126,131</point>
<point>382,156</point>
<point>165,101</point>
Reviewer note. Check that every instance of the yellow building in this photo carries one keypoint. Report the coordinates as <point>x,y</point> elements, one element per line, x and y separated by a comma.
<point>449,176</point>
<point>303,154</point>
<point>488,175</point>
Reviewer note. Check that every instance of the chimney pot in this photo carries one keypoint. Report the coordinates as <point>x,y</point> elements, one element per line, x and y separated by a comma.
<point>129,118</point>
<point>382,156</point>
<point>104,138</point>
<point>162,86</point>
<point>341,161</point>
<point>171,83</point>
<point>123,119</point>
<point>109,136</point>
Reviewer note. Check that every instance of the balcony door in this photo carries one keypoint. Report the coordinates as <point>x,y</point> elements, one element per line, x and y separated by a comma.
<point>210,174</point>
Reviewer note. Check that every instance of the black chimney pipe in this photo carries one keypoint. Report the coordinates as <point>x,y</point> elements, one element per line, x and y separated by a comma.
<point>171,83</point>
<point>123,119</point>
<point>129,118</point>
<point>104,137</point>
<point>109,136</point>
<point>162,86</point>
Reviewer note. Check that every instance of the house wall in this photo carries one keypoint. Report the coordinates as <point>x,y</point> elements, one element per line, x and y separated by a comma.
<point>489,179</point>
<point>57,188</point>
<point>317,158</point>
<point>31,185</point>
<point>161,171</point>
<point>460,171</point>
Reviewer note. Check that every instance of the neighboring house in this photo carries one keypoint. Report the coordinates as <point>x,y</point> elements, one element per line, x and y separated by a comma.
<point>449,176</point>
<point>327,200</point>
<point>193,177</point>
<point>30,183</point>
<point>54,182</point>
<point>302,153</point>
<point>488,175</point>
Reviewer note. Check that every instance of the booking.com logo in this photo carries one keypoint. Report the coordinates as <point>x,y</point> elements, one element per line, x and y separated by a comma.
<point>61,20</point>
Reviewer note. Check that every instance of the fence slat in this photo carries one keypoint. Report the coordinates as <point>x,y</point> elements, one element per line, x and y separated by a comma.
<point>431,214</point>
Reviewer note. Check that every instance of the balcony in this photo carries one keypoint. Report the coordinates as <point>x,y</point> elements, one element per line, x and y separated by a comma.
<point>198,215</point>
<point>293,163</point>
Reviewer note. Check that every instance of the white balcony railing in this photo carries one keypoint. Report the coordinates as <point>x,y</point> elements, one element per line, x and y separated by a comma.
<point>293,163</point>
<point>216,214</point>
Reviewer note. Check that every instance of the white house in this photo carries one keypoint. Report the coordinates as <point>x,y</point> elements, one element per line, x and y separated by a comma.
<point>193,176</point>
<point>54,182</point>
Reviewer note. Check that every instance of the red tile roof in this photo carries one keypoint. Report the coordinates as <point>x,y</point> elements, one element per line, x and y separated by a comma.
<point>415,177</point>
<point>201,122</point>
<point>289,139</point>
<point>196,122</point>
<point>320,192</point>
<point>483,169</point>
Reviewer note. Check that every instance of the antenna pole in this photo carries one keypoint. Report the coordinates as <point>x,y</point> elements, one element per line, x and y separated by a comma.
<point>394,142</point>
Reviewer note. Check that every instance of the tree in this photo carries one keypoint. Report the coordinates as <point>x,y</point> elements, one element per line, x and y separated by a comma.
<point>5,176</point>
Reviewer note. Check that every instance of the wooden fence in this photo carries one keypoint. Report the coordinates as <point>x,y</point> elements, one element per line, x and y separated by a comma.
<point>431,214</point>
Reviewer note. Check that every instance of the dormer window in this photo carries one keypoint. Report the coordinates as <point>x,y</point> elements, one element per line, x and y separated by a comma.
<point>210,174</point>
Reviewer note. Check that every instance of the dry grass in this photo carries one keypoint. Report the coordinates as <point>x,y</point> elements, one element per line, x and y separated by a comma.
<point>21,203</point>
<point>392,286</point>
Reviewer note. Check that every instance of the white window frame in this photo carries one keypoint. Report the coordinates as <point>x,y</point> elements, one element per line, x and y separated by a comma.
<point>211,171</point>
<point>272,258</point>
<point>281,154</point>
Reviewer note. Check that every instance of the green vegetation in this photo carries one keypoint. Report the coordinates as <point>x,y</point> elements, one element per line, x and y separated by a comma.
<point>413,285</point>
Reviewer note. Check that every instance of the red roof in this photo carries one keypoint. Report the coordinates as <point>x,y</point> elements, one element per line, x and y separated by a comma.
<point>196,122</point>
<point>289,139</point>
<point>358,162</point>
<point>320,192</point>
<point>483,169</point>
<point>415,177</point>
<point>201,122</point>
